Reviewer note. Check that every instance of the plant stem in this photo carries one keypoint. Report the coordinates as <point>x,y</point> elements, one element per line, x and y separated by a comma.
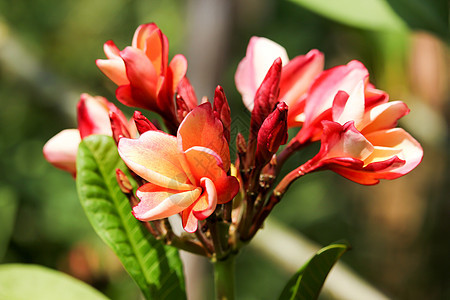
<point>224,271</point>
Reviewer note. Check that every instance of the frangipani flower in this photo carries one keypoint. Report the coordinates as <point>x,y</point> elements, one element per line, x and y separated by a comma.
<point>145,77</point>
<point>363,145</point>
<point>320,97</point>
<point>296,77</point>
<point>186,174</point>
<point>93,118</point>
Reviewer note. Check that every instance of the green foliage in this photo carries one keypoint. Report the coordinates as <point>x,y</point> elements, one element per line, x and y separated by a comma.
<point>8,208</point>
<point>156,268</point>
<point>308,281</point>
<point>20,282</point>
<point>386,15</point>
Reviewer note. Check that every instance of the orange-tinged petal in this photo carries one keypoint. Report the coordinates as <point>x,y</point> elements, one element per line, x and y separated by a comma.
<point>226,187</point>
<point>201,128</point>
<point>399,139</point>
<point>158,202</point>
<point>383,116</point>
<point>61,150</point>
<point>156,51</point>
<point>141,34</point>
<point>178,68</point>
<point>188,219</point>
<point>114,69</point>
<point>155,157</point>
<point>203,162</point>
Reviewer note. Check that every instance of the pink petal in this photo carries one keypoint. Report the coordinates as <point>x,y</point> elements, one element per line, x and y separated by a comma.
<point>141,34</point>
<point>178,68</point>
<point>325,87</point>
<point>155,157</point>
<point>201,128</point>
<point>298,75</point>
<point>189,221</point>
<point>114,69</point>
<point>159,203</point>
<point>252,69</point>
<point>352,109</point>
<point>61,150</point>
<point>227,188</point>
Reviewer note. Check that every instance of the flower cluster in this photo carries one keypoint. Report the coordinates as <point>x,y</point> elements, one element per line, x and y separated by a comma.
<point>188,171</point>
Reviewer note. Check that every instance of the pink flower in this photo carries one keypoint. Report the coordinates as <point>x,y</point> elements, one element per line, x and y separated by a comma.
<point>296,77</point>
<point>362,144</point>
<point>145,77</point>
<point>320,97</point>
<point>186,174</point>
<point>93,118</point>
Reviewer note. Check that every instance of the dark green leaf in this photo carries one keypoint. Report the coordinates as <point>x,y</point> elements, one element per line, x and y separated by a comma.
<point>20,282</point>
<point>156,268</point>
<point>308,281</point>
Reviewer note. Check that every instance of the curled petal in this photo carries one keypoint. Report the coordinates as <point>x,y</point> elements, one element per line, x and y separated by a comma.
<point>155,157</point>
<point>61,150</point>
<point>383,116</point>
<point>203,162</point>
<point>227,188</point>
<point>158,202</point>
<point>350,108</point>
<point>207,203</point>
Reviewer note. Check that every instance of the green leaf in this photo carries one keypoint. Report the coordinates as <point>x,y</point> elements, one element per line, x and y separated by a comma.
<point>386,15</point>
<point>309,279</point>
<point>22,282</point>
<point>156,268</point>
<point>366,14</point>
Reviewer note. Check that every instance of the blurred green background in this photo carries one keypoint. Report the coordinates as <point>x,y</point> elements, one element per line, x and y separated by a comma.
<point>399,230</point>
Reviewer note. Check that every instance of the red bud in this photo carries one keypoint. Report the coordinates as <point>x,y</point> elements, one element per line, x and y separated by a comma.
<point>142,123</point>
<point>272,134</point>
<point>118,127</point>
<point>266,97</point>
<point>182,108</point>
<point>222,111</point>
<point>124,183</point>
<point>187,93</point>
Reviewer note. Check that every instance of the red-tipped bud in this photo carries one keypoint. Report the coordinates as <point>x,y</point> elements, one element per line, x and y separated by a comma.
<point>182,108</point>
<point>118,127</point>
<point>187,93</point>
<point>124,183</point>
<point>241,145</point>
<point>272,134</point>
<point>266,96</point>
<point>142,123</point>
<point>222,111</point>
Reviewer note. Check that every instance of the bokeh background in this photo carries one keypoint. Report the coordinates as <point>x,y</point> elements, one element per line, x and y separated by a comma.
<point>399,230</point>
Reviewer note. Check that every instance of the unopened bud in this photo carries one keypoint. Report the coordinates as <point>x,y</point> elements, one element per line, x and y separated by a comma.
<point>272,134</point>
<point>142,123</point>
<point>182,108</point>
<point>241,145</point>
<point>119,129</point>
<point>222,111</point>
<point>266,96</point>
<point>124,183</point>
<point>187,93</point>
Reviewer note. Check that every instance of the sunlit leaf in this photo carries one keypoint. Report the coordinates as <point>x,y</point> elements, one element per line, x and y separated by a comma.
<point>156,268</point>
<point>21,282</point>
<point>367,14</point>
<point>308,281</point>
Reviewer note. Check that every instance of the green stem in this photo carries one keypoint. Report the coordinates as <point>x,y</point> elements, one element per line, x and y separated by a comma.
<point>224,278</point>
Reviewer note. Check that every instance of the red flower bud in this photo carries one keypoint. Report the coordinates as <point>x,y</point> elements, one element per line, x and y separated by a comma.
<point>124,183</point>
<point>222,111</point>
<point>187,93</point>
<point>118,127</point>
<point>266,97</point>
<point>272,134</point>
<point>182,108</point>
<point>142,123</point>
